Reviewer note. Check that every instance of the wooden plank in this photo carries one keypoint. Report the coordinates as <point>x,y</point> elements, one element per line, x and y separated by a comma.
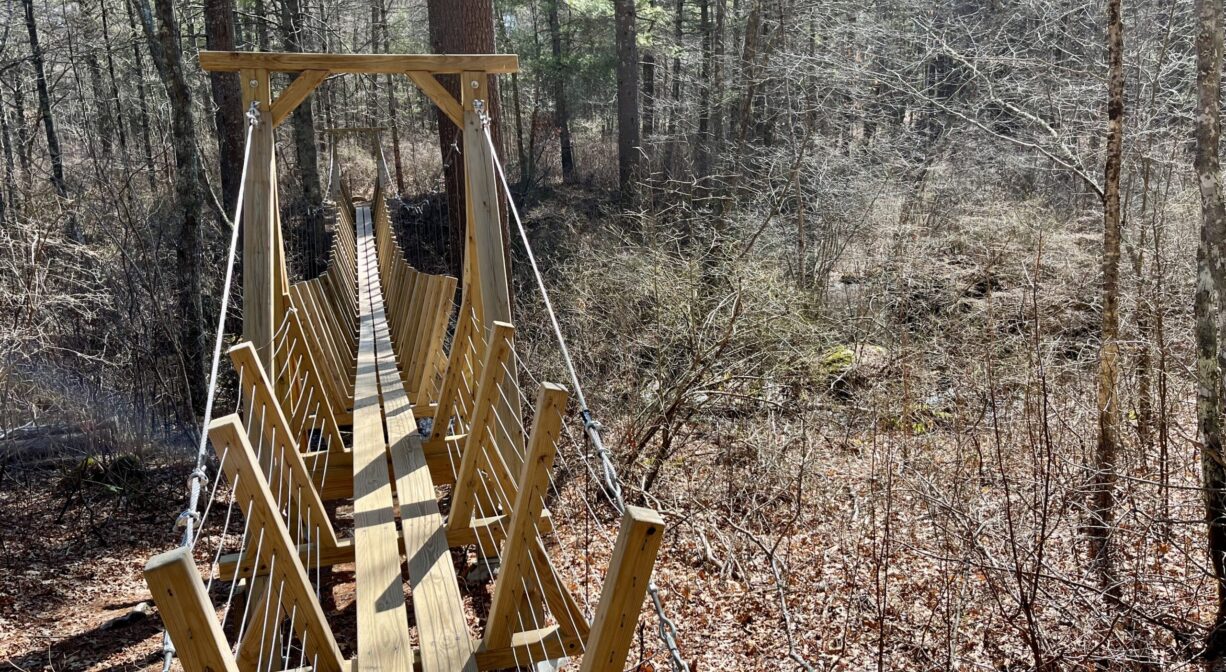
<point>188,614</point>
<point>437,604</point>
<point>382,620</point>
<point>464,495</point>
<point>229,61</point>
<point>278,552</point>
<point>295,93</point>
<point>439,95</point>
<point>517,560</point>
<point>625,585</point>
<point>259,221</point>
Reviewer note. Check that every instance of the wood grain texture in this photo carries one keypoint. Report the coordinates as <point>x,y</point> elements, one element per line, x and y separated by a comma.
<point>188,614</point>
<point>382,619</point>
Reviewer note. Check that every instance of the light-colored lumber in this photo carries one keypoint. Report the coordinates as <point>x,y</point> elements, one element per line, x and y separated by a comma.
<point>295,93</point>
<point>485,223</point>
<point>295,491</point>
<point>625,585</point>
<point>229,61</point>
<point>516,558</point>
<point>287,582</point>
<point>259,221</point>
<point>382,620</point>
<point>464,495</point>
<point>438,94</point>
<point>188,614</point>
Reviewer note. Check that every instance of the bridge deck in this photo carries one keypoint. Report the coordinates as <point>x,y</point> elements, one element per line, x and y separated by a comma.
<point>383,637</point>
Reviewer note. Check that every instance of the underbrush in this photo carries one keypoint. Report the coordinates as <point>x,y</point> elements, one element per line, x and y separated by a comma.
<point>889,463</point>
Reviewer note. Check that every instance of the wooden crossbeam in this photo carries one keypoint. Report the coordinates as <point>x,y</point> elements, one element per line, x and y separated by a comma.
<point>230,61</point>
<point>295,93</point>
<point>438,94</point>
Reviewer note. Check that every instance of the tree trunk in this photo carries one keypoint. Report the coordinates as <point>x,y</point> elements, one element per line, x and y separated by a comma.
<point>44,108</point>
<point>143,117</point>
<point>393,111</point>
<point>22,131</point>
<point>462,27</point>
<point>1210,289</point>
<point>1102,507</point>
<point>303,120</point>
<point>228,99</point>
<point>561,112</point>
<point>120,128</point>
<point>627,95</point>
<point>9,199</point>
<point>168,59</point>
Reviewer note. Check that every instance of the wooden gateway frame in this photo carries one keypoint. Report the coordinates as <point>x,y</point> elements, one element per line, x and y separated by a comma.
<point>363,342</point>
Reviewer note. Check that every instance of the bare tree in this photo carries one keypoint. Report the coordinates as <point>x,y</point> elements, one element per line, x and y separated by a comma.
<point>1210,290</point>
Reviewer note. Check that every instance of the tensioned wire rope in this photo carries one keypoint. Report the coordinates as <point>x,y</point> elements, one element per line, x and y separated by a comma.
<point>611,481</point>
<point>189,516</point>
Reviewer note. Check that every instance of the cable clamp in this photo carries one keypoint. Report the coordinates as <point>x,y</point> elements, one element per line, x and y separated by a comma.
<point>253,113</point>
<point>198,474</point>
<point>187,515</point>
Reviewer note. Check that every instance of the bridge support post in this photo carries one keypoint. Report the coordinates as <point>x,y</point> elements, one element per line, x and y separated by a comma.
<point>263,255</point>
<point>485,258</point>
<point>190,619</point>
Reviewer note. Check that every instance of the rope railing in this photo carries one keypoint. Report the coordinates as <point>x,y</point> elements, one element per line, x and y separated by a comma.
<point>610,480</point>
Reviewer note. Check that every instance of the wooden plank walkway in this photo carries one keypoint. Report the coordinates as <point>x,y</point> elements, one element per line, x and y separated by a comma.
<point>382,620</point>
<point>444,639</point>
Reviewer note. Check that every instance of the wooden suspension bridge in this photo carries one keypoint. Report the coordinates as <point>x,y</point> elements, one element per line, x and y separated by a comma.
<point>350,394</point>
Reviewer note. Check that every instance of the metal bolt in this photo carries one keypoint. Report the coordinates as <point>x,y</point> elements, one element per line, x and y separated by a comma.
<point>474,84</point>
<point>253,83</point>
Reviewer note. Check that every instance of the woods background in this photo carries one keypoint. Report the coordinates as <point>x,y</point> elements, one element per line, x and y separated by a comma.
<point>893,306</point>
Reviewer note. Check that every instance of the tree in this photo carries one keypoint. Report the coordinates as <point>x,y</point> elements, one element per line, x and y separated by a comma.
<point>558,76</point>
<point>1210,318</point>
<point>1102,508</point>
<point>168,60</point>
<point>627,94</point>
<point>227,98</point>
<point>462,27</point>
<point>44,109</point>
<point>311,207</point>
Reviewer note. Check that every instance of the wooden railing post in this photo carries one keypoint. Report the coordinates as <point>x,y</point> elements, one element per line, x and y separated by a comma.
<point>621,599</point>
<point>517,557</point>
<point>286,586</point>
<point>480,433</point>
<point>187,613</point>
